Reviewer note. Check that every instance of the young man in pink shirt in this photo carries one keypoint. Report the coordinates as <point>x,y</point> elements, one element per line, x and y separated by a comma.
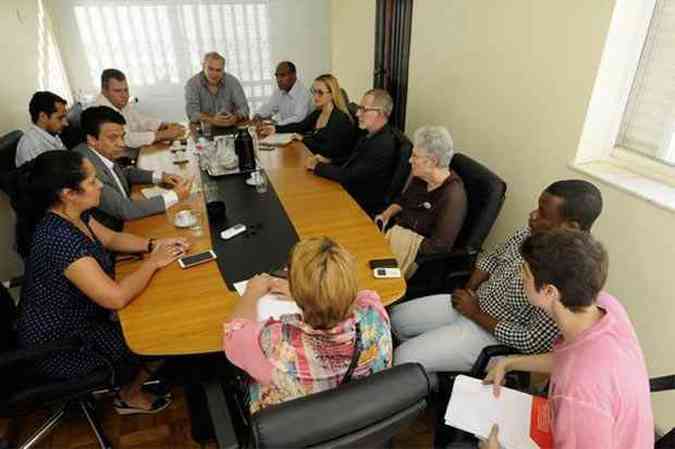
<point>599,388</point>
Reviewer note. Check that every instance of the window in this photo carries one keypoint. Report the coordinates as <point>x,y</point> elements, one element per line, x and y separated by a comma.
<point>51,73</point>
<point>648,124</point>
<point>163,42</point>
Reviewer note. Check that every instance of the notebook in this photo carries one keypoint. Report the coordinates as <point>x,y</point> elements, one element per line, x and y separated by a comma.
<point>271,305</point>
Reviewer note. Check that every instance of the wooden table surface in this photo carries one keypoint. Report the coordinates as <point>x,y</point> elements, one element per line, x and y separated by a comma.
<point>182,311</point>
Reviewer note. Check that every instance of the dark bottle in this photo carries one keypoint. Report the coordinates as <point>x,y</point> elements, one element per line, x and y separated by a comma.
<point>243,145</point>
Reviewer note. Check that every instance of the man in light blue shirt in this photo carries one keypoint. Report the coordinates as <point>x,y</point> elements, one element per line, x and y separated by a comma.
<point>291,103</point>
<point>48,114</point>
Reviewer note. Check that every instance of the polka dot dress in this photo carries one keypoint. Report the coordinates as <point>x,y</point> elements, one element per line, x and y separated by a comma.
<point>52,308</point>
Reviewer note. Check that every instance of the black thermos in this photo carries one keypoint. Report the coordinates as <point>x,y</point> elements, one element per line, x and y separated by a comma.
<point>243,145</point>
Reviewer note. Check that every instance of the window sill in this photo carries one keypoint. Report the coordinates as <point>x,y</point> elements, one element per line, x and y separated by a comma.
<point>617,174</point>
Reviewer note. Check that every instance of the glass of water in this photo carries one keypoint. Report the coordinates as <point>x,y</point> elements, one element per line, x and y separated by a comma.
<point>261,184</point>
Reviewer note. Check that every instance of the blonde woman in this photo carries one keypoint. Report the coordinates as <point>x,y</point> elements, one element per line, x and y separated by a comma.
<point>329,130</point>
<point>342,333</point>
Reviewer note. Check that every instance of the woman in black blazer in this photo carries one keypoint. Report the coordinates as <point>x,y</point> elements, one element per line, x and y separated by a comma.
<point>329,130</point>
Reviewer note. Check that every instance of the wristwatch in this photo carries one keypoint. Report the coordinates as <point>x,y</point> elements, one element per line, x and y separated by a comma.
<point>151,244</point>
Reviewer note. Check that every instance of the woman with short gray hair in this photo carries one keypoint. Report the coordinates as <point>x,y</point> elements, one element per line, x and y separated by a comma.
<point>430,212</point>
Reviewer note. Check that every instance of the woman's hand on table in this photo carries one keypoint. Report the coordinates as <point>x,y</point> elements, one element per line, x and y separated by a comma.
<point>164,254</point>
<point>258,286</point>
<point>280,287</point>
<point>179,242</point>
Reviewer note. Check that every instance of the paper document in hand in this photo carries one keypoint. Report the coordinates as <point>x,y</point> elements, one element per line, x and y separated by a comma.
<point>150,192</point>
<point>271,305</point>
<point>524,420</point>
<point>277,139</point>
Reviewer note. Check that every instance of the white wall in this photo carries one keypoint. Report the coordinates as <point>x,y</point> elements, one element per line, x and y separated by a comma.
<point>19,25</point>
<point>353,35</point>
<point>512,80</point>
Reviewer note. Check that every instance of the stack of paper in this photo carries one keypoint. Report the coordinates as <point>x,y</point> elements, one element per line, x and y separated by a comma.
<point>150,192</point>
<point>524,421</point>
<point>277,139</point>
<point>271,305</point>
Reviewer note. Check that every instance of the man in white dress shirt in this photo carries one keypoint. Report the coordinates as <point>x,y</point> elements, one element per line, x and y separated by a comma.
<point>48,114</point>
<point>140,129</point>
<point>291,103</point>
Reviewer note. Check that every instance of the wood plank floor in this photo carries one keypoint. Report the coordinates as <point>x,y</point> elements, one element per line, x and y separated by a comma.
<point>169,429</point>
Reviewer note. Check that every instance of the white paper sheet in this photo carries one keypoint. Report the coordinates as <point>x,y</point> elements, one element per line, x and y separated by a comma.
<point>276,139</point>
<point>473,408</point>
<point>271,305</point>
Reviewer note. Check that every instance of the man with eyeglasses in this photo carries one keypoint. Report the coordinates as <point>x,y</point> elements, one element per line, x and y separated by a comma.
<point>368,172</point>
<point>291,102</point>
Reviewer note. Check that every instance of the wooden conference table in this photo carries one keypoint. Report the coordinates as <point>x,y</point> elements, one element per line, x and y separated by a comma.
<point>182,311</point>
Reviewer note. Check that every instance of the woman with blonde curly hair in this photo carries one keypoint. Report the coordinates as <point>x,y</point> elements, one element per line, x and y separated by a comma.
<point>329,130</point>
<point>342,333</point>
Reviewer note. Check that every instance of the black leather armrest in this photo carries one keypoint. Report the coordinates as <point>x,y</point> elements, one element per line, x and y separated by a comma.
<point>36,352</point>
<point>481,363</point>
<point>662,383</point>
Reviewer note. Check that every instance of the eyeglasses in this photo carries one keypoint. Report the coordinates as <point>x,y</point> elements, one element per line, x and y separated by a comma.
<point>363,109</point>
<point>318,92</point>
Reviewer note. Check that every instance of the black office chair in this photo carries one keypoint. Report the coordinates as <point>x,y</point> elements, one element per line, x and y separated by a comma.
<point>402,171</point>
<point>72,135</point>
<point>485,193</point>
<point>8,144</point>
<point>23,391</point>
<point>366,412</point>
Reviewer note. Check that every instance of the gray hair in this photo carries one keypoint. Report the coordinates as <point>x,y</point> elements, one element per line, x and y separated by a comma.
<point>436,141</point>
<point>214,55</point>
<point>382,100</point>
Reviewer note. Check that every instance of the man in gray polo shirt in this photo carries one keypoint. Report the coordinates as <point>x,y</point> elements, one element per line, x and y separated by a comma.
<point>214,96</point>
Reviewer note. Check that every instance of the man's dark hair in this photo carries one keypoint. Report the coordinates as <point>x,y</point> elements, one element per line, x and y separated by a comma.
<point>43,101</point>
<point>109,74</point>
<point>582,201</point>
<point>93,118</point>
<point>290,65</point>
<point>569,259</point>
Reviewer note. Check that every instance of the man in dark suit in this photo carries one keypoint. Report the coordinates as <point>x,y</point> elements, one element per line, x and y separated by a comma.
<point>368,172</point>
<point>103,128</point>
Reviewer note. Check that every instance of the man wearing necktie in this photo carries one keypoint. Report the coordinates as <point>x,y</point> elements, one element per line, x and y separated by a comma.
<point>103,128</point>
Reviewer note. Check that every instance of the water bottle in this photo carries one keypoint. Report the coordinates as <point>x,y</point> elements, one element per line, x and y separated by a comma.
<point>244,148</point>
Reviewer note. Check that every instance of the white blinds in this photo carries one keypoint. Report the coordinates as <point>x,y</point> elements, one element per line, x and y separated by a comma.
<point>149,41</point>
<point>159,44</point>
<point>648,124</point>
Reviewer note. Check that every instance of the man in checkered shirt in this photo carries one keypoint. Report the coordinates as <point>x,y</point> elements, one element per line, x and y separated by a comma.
<point>448,332</point>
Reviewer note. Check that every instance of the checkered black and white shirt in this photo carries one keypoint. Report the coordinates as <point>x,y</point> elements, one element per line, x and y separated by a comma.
<point>521,325</point>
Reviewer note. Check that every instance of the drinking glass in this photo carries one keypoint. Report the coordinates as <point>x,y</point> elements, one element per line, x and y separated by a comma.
<point>261,184</point>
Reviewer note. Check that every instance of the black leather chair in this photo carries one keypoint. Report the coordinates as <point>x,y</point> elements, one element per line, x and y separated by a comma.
<point>367,412</point>
<point>72,135</point>
<point>485,193</point>
<point>402,171</point>
<point>8,144</point>
<point>22,391</point>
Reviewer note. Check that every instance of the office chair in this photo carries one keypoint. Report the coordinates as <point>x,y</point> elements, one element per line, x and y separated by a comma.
<point>366,412</point>
<point>72,135</point>
<point>22,390</point>
<point>402,171</point>
<point>8,144</point>
<point>485,193</point>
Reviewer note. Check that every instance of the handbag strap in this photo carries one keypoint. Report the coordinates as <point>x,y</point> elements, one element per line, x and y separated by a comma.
<point>355,355</point>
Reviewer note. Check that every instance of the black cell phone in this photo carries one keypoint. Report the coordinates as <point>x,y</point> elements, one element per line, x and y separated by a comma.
<point>280,273</point>
<point>196,259</point>
<point>383,263</point>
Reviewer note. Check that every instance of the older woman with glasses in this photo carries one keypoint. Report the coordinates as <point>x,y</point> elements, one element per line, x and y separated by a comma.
<point>329,130</point>
<point>429,214</point>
